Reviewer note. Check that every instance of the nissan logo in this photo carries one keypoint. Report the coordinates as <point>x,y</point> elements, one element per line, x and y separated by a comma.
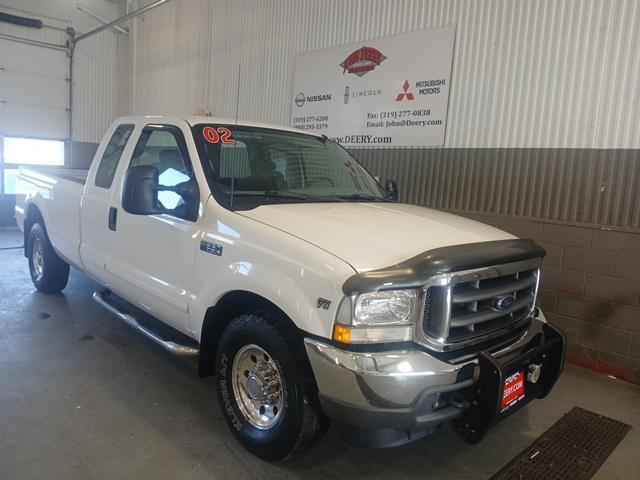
<point>300,99</point>
<point>504,302</point>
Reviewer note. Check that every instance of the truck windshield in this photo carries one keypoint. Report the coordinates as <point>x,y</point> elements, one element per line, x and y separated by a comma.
<point>250,166</point>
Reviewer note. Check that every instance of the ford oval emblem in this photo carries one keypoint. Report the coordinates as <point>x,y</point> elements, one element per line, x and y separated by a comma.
<point>503,302</point>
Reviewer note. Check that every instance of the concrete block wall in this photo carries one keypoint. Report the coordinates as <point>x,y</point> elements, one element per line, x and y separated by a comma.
<point>590,289</point>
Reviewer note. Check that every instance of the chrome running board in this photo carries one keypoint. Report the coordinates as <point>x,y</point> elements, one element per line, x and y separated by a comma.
<point>173,347</point>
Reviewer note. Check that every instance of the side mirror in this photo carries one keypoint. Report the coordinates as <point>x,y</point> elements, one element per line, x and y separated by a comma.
<point>190,195</point>
<point>391,187</point>
<point>140,190</point>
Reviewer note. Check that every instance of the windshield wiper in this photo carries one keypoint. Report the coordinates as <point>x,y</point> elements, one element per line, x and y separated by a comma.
<point>363,196</point>
<point>288,195</point>
<point>272,194</point>
<point>303,196</point>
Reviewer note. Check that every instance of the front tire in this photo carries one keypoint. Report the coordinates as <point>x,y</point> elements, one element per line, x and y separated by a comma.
<point>49,273</point>
<point>264,391</point>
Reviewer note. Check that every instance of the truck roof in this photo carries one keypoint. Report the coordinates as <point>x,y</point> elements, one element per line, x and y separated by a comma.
<point>196,120</point>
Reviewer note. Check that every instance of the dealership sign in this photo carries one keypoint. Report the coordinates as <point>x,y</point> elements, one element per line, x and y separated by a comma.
<point>386,92</point>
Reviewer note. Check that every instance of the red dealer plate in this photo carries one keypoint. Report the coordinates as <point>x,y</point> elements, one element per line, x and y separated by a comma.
<point>513,391</point>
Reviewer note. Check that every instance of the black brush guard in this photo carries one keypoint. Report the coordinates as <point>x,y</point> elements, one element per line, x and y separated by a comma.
<point>485,396</point>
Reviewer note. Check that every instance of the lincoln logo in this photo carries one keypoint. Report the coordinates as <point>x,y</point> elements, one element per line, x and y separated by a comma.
<point>362,61</point>
<point>406,93</point>
<point>504,302</point>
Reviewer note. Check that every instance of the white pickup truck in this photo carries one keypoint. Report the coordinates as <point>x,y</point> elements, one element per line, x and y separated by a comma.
<point>301,283</point>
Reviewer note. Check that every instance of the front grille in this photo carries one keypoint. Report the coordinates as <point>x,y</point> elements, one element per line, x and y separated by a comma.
<point>473,304</point>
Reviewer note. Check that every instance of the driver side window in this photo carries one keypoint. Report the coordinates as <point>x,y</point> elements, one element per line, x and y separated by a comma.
<point>165,150</point>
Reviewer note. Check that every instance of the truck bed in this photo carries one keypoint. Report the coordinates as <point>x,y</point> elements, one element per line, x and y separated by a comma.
<point>77,175</point>
<point>58,191</point>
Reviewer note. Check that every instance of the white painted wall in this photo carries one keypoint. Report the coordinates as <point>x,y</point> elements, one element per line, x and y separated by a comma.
<point>534,73</point>
<point>527,73</point>
<point>95,67</point>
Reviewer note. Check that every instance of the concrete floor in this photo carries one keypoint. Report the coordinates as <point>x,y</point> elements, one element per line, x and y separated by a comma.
<point>83,396</point>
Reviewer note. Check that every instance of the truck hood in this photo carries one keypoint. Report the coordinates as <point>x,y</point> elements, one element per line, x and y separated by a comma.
<point>369,236</point>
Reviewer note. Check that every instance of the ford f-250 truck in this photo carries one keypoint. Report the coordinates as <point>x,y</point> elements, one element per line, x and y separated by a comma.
<point>299,281</point>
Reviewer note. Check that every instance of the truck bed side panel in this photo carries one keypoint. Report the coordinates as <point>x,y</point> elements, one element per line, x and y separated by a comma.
<point>58,199</point>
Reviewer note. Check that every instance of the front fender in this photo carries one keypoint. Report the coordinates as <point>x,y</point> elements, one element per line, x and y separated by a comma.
<point>247,255</point>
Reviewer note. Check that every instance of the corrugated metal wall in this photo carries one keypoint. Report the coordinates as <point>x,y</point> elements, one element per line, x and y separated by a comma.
<point>536,73</point>
<point>596,187</point>
<point>170,58</point>
<point>541,90</point>
<point>95,72</point>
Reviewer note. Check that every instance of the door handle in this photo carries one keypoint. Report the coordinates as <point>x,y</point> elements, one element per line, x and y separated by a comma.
<point>113,218</point>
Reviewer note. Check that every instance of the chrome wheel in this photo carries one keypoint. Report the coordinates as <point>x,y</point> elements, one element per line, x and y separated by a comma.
<point>257,387</point>
<point>37,257</point>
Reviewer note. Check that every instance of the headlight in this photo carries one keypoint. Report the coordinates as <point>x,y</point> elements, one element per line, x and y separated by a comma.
<point>377,317</point>
<point>390,307</point>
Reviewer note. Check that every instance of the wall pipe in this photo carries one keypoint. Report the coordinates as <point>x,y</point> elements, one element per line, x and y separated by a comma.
<point>72,34</point>
<point>102,20</point>
<point>117,21</point>
<point>73,41</point>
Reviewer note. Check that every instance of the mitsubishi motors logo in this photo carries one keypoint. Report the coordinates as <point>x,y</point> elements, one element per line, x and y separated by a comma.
<point>406,93</point>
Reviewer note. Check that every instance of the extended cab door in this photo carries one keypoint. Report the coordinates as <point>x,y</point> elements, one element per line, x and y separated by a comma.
<point>151,257</point>
<point>99,203</point>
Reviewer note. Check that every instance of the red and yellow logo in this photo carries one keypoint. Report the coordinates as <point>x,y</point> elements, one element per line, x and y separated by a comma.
<point>362,61</point>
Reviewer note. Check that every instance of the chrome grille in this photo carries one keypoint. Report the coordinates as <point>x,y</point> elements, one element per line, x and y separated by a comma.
<point>463,307</point>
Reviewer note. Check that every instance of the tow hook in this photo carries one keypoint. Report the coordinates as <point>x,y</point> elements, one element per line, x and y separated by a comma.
<point>458,401</point>
<point>533,375</point>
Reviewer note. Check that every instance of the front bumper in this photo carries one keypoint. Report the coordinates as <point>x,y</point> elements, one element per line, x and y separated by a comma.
<point>406,394</point>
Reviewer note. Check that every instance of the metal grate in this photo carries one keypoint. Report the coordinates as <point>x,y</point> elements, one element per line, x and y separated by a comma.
<point>473,305</point>
<point>572,449</point>
<point>427,309</point>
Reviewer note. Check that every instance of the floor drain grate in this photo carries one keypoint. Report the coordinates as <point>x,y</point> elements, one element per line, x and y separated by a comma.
<point>573,448</point>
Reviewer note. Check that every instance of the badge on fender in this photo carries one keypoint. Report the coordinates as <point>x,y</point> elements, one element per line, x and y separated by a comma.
<point>323,303</point>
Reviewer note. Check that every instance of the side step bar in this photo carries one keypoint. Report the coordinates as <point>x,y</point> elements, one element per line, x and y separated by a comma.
<point>173,347</point>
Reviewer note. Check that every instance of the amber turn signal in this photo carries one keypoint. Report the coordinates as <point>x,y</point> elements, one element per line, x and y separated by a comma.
<point>342,334</point>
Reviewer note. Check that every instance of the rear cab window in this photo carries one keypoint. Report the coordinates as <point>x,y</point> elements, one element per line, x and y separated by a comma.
<point>111,156</point>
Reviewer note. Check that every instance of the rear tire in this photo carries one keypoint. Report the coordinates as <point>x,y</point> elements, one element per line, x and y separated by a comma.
<point>49,273</point>
<point>265,389</point>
